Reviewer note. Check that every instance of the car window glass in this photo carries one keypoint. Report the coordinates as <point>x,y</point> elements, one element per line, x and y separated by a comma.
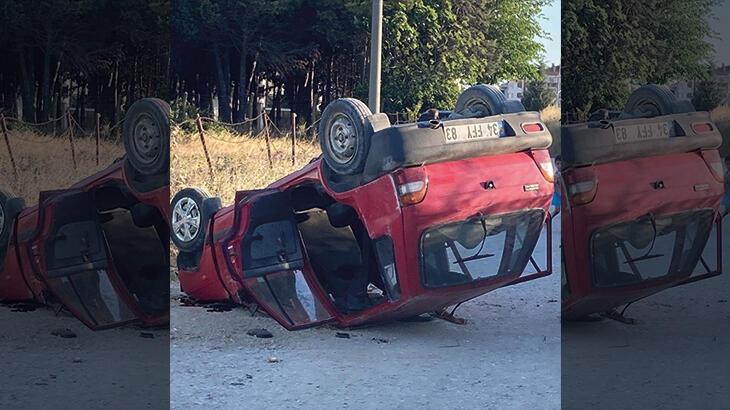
<point>649,248</point>
<point>289,295</point>
<point>479,248</point>
<point>92,296</point>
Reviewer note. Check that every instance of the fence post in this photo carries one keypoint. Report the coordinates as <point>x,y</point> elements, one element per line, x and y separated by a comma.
<point>293,138</point>
<point>199,123</point>
<point>268,138</point>
<point>7,144</point>
<point>71,138</point>
<point>98,131</point>
<point>262,111</point>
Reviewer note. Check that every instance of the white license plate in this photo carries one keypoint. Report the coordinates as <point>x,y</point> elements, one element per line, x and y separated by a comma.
<point>642,132</point>
<point>464,133</point>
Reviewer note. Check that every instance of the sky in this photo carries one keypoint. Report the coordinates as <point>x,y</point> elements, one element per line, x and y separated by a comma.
<point>720,25</point>
<point>550,23</point>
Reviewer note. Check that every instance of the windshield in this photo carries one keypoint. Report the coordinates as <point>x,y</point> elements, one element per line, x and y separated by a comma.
<point>650,247</point>
<point>479,248</point>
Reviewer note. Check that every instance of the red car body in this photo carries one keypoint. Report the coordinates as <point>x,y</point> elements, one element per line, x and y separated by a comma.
<point>455,191</point>
<point>686,186</point>
<point>31,274</point>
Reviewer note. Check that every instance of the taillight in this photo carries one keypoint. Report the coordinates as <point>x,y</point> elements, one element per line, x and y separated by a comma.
<point>411,185</point>
<point>714,163</point>
<point>548,172</point>
<point>544,163</point>
<point>583,192</point>
<point>702,127</point>
<point>532,127</point>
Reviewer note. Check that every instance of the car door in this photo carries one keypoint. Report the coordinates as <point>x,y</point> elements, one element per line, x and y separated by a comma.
<point>274,263</point>
<point>77,268</point>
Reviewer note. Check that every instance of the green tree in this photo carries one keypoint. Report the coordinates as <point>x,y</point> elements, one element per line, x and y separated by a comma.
<point>707,95</point>
<point>308,51</point>
<point>538,95</point>
<point>433,47</point>
<point>91,53</point>
<point>610,45</point>
<point>511,38</point>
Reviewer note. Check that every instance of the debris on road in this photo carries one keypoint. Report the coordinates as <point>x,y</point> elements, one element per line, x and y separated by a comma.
<point>260,333</point>
<point>219,307</point>
<point>64,333</point>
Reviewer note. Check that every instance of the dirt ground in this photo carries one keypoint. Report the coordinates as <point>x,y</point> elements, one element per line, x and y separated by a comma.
<point>677,355</point>
<point>115,368</point>
<point>506,356</point>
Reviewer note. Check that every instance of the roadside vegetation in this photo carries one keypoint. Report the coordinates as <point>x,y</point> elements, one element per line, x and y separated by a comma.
<point>45,163</point>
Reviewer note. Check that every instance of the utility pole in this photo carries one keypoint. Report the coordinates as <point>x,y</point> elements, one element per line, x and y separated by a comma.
<point>376,55</point>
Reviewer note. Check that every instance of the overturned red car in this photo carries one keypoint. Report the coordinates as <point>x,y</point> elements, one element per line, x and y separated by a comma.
<point>390,223</point>
<point>100,248</point>
<point>641,209</point>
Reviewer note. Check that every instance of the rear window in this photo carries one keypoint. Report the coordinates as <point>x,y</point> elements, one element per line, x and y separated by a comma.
<point>648,248</point>
<point>479,248</point>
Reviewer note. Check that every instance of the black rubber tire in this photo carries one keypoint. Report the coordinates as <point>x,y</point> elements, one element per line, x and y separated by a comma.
<point>195,244</point>
<point>354,111</point>
<point>10,207</point>
<point>651,101</point>
<point>4,219</point>
<point>483,100</point>
<point>148,158</point>
<point>164,105</point>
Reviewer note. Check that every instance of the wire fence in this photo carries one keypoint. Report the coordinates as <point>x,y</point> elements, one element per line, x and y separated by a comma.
<point>51,131</point>
<point>267,130</point>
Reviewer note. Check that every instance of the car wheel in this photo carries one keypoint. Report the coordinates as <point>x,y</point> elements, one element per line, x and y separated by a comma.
<point>484,100</point>
<point>10,207</point>
<point>146,132</point>
<point>188,225</point>
<point>655,100</point>
<point>344,137</point>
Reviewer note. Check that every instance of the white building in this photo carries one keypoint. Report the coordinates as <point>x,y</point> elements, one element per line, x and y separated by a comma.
<point>684,90</point>
<point>514,90</point>
<point>552,76</point>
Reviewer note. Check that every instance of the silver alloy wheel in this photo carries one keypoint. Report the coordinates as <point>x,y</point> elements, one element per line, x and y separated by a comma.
<point>146,138</point>
<point>186,220</point>
<point>343,139</point>
<point>2,217</point>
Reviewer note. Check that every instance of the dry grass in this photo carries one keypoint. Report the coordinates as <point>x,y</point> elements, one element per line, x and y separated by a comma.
<point>240,162</point>
<point>551,117</point>
<point>550,114</point>
<point>44,163</point>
